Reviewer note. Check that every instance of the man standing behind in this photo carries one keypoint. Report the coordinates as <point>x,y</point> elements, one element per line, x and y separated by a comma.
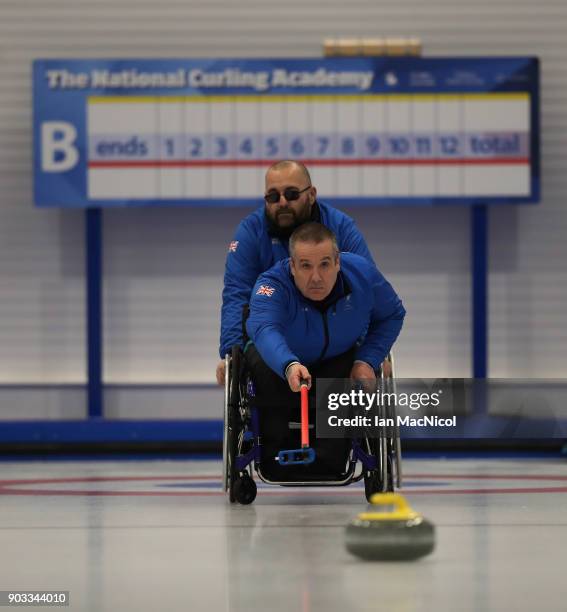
<point>262,238</point>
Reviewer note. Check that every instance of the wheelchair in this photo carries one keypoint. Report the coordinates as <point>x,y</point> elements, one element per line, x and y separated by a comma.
<point>376,460</point>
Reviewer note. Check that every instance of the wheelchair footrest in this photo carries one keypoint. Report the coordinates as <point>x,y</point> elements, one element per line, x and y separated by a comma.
<point>296,457</point>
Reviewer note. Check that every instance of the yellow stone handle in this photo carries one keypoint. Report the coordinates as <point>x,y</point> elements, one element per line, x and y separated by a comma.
<point>402,510</point>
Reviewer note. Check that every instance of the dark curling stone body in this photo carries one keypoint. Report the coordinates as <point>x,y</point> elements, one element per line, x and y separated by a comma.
<point>390,540</point>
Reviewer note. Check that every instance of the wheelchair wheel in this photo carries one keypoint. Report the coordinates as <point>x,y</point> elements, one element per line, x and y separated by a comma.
<point>380,480</point>
<point>393,443</point>
<point>231,421</point>
<point>244,489</point>
<point>387,449</point>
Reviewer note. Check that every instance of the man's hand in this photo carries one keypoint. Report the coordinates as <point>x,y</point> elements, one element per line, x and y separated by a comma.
<point>295,373</point>
<point>365,374</point>
<point>386,368</point>
<point>220,372</point>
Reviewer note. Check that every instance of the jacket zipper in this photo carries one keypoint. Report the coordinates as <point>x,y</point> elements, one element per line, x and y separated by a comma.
<point>326,328</point>
<point>332,305</point>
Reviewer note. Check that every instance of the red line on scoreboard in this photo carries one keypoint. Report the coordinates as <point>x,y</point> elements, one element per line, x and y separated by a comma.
<point>240,163</point>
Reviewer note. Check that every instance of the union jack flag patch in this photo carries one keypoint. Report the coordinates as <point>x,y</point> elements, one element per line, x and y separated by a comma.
<point>233,246</point>
<point>265,290</point>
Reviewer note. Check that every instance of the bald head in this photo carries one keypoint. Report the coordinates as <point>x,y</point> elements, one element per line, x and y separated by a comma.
<point>296,167</point>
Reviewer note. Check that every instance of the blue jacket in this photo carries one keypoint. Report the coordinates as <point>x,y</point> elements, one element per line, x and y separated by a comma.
<point>253,251</point>
<point>285,326</point>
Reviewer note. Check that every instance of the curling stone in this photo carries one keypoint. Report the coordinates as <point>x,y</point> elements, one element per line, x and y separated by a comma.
<point>399,535</point>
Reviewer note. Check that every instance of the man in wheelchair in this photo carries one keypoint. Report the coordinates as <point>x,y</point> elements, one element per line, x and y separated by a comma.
<point>318,314</point>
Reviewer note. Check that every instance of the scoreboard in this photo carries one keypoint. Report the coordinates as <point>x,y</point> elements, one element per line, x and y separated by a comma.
<point>372,131</point>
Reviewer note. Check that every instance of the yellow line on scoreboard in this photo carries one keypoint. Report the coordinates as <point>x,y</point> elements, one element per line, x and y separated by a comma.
<point>307,98</point>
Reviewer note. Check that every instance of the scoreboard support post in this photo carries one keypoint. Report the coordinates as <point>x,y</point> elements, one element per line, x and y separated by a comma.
<point>479,260</point>
<point>93,255</point>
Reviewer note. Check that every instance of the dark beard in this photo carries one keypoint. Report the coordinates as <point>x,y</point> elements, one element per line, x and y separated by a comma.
<point>285,232</point>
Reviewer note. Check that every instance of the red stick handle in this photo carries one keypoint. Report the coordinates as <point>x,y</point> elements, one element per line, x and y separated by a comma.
<point>304,417</point>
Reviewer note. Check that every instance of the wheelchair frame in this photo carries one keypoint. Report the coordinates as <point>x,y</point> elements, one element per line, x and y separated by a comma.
<point>380,457</point>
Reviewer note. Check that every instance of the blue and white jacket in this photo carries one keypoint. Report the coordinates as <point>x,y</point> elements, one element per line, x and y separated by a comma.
<point>253,251</point>
<point>364,310</point>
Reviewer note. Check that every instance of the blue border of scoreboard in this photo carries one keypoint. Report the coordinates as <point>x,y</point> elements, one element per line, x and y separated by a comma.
<point>61,88</point>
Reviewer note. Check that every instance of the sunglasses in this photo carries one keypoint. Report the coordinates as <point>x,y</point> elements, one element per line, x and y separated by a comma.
<point>290,194</point>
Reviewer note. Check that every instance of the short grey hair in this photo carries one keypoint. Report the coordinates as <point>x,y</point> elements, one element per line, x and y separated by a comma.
<point>314,233</point>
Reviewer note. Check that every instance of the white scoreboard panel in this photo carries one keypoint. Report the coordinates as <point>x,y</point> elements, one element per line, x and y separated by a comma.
<point>366,147</point>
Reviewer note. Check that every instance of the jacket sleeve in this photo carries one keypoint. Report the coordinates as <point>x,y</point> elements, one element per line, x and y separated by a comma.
<point>352,241</point>
<point>241,271</point>
<point>386,321</point>
<point>267,322</point>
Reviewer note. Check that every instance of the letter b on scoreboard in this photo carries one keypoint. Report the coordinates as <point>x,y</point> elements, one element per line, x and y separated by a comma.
<point>60,163</point>
<point>59,152</point>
